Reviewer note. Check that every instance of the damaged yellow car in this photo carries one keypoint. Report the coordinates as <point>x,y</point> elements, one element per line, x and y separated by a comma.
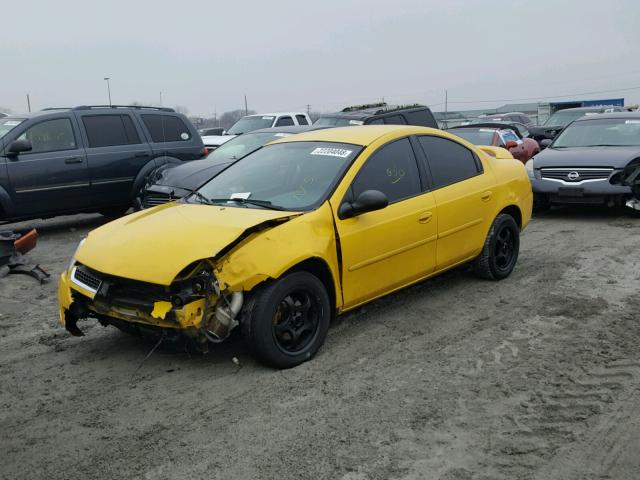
<point>303,229</point>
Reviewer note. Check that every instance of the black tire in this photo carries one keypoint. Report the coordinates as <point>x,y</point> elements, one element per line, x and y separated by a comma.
<point>286,322</point>
<point>500,252</point>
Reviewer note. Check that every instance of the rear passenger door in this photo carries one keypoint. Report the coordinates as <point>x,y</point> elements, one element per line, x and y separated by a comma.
<point>463,191</point>
<point>115,155</point>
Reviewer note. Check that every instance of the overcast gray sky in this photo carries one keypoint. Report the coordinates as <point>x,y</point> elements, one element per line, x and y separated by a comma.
<point>287,54</point>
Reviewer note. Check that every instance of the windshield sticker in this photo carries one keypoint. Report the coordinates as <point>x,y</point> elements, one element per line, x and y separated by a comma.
<point>240,195</point>
<point>332,152</point>
<point>632,121</point>
<point>487,130</point>
<point>282,134</point>
<point>12,123</point>
<point>356,122</point>
<point>184,136</point>
<point>267,118</point>
<point>588,114</point>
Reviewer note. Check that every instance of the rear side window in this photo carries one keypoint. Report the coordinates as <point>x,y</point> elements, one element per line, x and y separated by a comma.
<point>302,120</point>
<point>110,130</point>
<point>166,128</point>
<point>284,122</point>
<point>394,120</point>
<point>392,169</point>
<point>449,161</point>
<point>418,117</point>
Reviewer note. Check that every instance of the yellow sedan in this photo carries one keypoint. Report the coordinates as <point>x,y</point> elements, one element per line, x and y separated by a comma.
<point>303,229</point>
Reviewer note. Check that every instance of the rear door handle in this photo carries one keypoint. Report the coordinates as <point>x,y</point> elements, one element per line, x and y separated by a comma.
<point>73,160</point>
<point>425,217</point>
<point>486,196</point>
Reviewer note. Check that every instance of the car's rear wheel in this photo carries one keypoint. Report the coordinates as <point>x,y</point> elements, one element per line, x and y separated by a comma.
<point>500,252</point>
<point>286,322</point>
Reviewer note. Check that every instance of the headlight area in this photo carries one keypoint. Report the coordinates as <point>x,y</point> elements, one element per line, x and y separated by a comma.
<point>192,305</point>
<point>529,168</point>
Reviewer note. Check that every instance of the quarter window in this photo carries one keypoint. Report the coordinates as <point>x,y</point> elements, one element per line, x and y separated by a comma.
<point>418,117</point>
<point>166,128</point>
<point>284,122</point>
<point>302,120</point>
<point>449,161</point>
<point>110,130</point>
<point>51,136</point>
<point>392,170</point>
<point>376,121</point>
<point>394,120</point>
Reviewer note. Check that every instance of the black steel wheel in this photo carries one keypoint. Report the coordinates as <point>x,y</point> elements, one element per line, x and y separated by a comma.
<point>286,322</point>
<point>500,252</point>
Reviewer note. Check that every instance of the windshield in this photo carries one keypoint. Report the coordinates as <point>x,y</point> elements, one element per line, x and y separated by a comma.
<point>564,117</point>
<point>243,145</point>
<point>251,123</point>
<point>8,124</point>
<point>293,176</point>
<point>477,136</point>
<point>602,132</point>
<point>336,122</point>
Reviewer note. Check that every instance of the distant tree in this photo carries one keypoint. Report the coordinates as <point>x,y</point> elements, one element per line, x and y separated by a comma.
<point>181,109</point>
<point>227,119</point>
<point>5,109</point>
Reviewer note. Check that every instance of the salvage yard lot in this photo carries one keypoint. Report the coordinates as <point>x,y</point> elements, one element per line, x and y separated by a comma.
<point>536,376</point>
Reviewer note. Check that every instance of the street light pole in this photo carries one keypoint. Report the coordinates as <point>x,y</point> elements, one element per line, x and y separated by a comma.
<point>106,79</point>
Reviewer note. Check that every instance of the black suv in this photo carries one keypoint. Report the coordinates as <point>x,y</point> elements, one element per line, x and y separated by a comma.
<point>87,159</point>
<point>379,114</point>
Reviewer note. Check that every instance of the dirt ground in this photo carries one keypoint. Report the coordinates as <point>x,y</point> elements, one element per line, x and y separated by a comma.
<point>533,377</point>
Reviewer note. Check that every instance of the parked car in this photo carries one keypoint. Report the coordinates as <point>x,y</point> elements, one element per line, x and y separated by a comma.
<point>379,114</point>
<point>211,131</point>
<point>250,123</point>
<point>499,135</point>
<point>556,122</point>
<point>176,181</point>
<point>88,158</point>
<point>578,164</point>
<point>2,115</point>
<point>274,243</point>
<point>508,117</point>
<point>630,177</point>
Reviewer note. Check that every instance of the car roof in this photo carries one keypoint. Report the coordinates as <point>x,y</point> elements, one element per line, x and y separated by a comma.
<point>358,135</point>
<point>288,129</point>
<point>620,115</point>
<point>587,109</point>
<point>370,111</point>
<point>274,114</point>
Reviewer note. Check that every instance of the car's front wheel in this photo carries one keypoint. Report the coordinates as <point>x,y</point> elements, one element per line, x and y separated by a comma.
<point>286,322</point>
<point>500,252</point>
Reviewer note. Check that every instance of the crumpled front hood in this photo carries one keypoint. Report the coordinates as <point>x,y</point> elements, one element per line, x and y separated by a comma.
<point>155,245</point>
<point>190,175</point>
<point>616,157</point>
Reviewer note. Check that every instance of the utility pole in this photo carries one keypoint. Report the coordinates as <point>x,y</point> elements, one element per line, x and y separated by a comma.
<point>160,98</point>
<point>246,109</point>
<point>28,102</point>
<point>446,106</point>
<point>106,79</point>
<point>308,109</point>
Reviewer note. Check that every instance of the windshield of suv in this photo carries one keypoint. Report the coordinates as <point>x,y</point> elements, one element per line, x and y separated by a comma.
<point>8,124</point>
<point>477,136</point>
<point>612,132</point>
<point>565,117</point>
<point>243,145</point>
<point>251,123</point>
<point>292,176</point>
<point>336,122</point>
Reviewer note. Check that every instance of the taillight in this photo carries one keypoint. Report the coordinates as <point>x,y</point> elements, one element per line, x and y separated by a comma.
<point>205,152</point>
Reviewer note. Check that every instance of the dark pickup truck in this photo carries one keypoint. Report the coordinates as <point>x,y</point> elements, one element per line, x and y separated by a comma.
<point>88,158</point>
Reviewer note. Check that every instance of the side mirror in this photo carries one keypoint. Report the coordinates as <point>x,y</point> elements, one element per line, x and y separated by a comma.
<point>367,201</point>
<point>19,146</point>
<point>510,144</point>
<point>545,143</point>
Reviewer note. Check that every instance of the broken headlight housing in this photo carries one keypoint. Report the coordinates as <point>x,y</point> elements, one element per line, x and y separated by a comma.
<point>529,167</point>
<point>73,257</point>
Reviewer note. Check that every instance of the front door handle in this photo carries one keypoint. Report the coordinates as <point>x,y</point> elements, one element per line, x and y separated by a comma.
<point>486,196</point>
<point>73,160</point>
<point>425,217</point>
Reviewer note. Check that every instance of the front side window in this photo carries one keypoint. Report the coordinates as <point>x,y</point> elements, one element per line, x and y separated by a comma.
<point>302,120</point>
<point>292,176</point>
<point>51,136</point>
<point>110,130</point>
<point>284,122</point>
<point>166,128</point>
<point>449,161</point>
<point>393,170</point>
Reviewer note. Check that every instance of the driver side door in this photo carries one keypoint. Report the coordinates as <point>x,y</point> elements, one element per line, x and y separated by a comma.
<point>386,249</point>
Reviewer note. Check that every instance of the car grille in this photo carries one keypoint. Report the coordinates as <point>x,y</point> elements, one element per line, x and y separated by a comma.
<point>575,175</point>
<point>86,279</point>
<point>155,199</point>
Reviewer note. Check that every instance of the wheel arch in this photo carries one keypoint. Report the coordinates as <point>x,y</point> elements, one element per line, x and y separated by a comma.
<point>320,269</point>
<point>147,170</point>
<point>515,212</point>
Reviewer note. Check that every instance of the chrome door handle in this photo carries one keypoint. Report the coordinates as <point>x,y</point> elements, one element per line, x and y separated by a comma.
<point>425,217</point>
<point>73,160</point>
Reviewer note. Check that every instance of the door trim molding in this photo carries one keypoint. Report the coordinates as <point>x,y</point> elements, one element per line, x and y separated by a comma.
<point>392,253</point>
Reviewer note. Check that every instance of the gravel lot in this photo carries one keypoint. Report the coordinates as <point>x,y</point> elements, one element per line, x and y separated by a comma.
<point>534,377</point>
